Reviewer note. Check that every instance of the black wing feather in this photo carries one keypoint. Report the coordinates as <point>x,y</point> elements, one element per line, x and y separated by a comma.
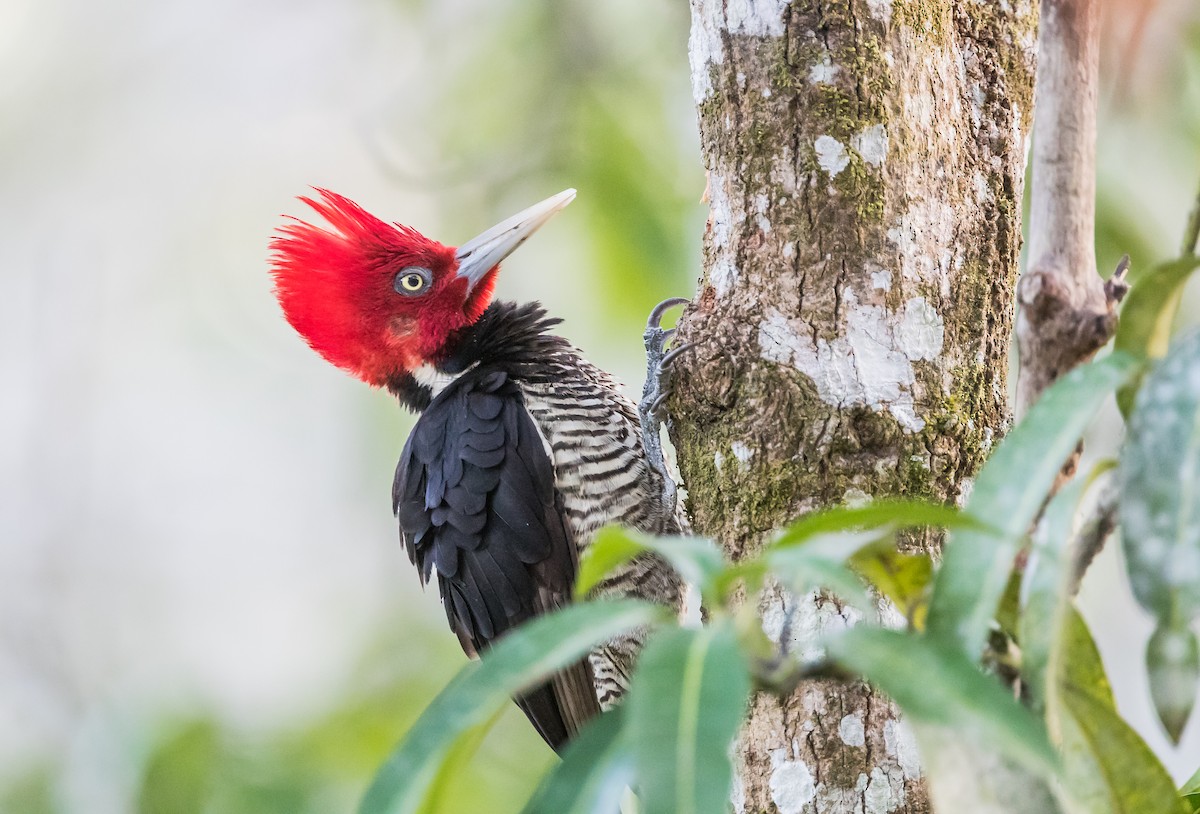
<point>476,502</point>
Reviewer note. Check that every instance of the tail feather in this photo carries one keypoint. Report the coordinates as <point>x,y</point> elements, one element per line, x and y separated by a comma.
<point>559,708</point>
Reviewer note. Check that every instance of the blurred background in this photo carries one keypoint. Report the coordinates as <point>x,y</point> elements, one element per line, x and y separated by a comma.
<point>203,603</point>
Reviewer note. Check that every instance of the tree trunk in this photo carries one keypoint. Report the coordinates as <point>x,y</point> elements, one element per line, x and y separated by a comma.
<point>865,163</point>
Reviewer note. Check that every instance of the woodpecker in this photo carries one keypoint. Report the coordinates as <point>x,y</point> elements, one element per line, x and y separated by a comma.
<point>522,449</point>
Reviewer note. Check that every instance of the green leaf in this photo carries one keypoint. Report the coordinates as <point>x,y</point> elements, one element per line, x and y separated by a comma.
<point>936,684</point>
<point>803,574</point>
<point>1045,598</point>
<point>894,514</point>
<point>966,774</point>
<point>1160,472</point>
<point>1144,330</point>
<point>1008,493</point>
<point>1149,309</point>
<point>1107,767</point>
<point>1190,792</point>
<point>686,702</point>
<point>1192,786</point>
<point>1173,659</point>
<point>901,577</point>
<point>1008,612</point>
<point>1160,521</point>
<point>839,561</point>
<point>181,773</point>
<point>458,756</point>
<point>596,768</point>
<point>816,546</point>
<point>697,560</point>
<point>521,659</point>
<point>1079,666</point>
<point>820,562</point>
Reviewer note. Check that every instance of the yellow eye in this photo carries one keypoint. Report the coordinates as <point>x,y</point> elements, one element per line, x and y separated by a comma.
<point>412,280</point>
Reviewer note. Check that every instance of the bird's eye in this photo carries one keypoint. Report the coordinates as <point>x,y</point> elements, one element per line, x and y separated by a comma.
<point>412,280</point>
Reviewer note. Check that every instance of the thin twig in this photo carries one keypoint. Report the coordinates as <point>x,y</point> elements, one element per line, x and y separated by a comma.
<point>1093,534</point>
<point>1191,234</point>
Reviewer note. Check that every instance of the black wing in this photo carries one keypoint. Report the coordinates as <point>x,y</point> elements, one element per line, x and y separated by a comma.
<point>475,497</point>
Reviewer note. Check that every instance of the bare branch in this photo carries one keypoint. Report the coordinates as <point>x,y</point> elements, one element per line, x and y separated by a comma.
<point>1093,533</point>
<point>1191,233</point>
<point>1066,314</point>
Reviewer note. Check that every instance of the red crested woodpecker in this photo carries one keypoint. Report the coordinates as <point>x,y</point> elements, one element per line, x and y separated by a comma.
<point>522,450</point>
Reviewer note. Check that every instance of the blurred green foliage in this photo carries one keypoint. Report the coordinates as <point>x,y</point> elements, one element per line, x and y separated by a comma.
<point>527,98</point>
<point>202,763</point>
<point>1149,128</point>
<point>32,792</point>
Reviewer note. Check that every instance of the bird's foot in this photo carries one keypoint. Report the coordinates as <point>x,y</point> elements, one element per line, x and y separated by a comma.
<point>658,387</point>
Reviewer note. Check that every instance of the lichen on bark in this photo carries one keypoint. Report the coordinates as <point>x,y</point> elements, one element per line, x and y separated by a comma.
<point>865,163</point>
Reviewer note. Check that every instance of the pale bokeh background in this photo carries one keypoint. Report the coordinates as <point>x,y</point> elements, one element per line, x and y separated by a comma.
<point>203,604</point>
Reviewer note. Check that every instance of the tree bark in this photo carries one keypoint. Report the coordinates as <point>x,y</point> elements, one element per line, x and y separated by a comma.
<point>865,163</point>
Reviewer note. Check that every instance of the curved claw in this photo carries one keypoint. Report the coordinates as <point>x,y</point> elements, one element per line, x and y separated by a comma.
<point>674,354</point>
<point>666,305</point>
<point>657,405</point>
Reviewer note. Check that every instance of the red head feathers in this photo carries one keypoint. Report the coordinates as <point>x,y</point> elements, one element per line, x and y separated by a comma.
<point>379,299</point>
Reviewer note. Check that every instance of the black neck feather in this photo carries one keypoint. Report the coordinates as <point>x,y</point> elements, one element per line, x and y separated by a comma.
<point>508,336</point>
